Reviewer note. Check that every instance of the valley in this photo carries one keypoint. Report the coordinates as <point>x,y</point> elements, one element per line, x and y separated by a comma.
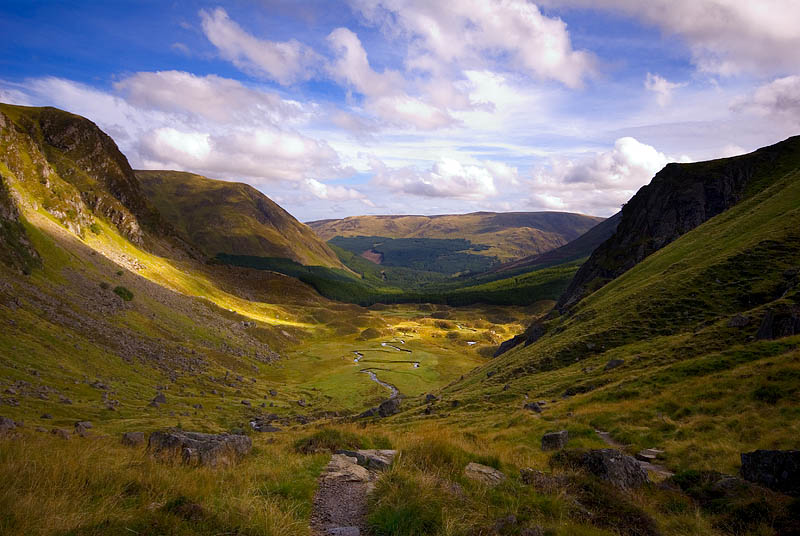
<point>670,329</point>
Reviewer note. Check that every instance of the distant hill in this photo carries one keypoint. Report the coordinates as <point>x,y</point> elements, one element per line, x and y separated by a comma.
<point>580,248</point>
<point>232,218</point>
<point>506,235</point>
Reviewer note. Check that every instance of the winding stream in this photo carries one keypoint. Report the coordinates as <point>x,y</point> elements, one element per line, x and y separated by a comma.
<point>392,388</point>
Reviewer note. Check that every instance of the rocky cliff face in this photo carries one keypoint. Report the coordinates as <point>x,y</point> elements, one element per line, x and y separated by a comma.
<point>73,170</point>
<point>679,198</point>
<point>15,248</point>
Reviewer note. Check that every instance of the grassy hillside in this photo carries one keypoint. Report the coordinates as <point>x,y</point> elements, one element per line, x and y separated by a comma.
<point>506,236</point>
<point>233,218</point>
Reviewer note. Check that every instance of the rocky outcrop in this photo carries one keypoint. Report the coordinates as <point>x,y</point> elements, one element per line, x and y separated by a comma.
<point>376,460</point>
<point>16,250</point>
<point>616,467</point>
<point>193,448</point>
<point>484,474</point>
<point>779,322</point>
<point>778,470</point>
<point>555,440</point>
<point>679,198</point>
<point>7,426</point>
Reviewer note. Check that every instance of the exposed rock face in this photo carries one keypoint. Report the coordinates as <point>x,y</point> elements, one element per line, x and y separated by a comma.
<point>483,473</point>
<point>199,449</point>
<point>616,467</point>
<point>133,439</point>
<point>679,198</point>
<point>389,407</point>
<point>15,248</point>
<point>778,323</point>
<point>778,470</point>
<point>555,440</point>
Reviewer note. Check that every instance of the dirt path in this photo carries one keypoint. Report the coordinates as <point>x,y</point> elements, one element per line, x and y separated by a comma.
<point>659,470</point>
<point>340,504</point>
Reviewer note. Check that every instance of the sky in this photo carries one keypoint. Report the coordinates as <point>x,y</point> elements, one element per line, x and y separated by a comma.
<point>337,109</point>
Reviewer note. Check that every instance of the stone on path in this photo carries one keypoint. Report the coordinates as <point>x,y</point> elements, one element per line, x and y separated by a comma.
<point>483,473</point>
<point>649,455</point>
<point>377,460</point>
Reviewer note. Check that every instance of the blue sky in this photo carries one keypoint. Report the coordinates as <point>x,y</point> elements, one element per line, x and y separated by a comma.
<point>408,106</point>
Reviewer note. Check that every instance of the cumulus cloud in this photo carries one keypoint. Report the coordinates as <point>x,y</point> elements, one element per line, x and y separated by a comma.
<point>780,98</point>
<point>285,62</point>
<point>333,192</point>
<point>212,97</point>
<point>478,32</point>
<point>662,87</point>
<point>384,92</point>
<point>725,36</point>
<point>598,183</point>
<point>446,178</point>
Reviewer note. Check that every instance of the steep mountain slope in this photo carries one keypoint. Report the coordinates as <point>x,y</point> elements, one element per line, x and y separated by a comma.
<point>233,218</point>
<point>508,235</point>
<point>695,348</point>
<point>679,198</point>
<point>579,248</point>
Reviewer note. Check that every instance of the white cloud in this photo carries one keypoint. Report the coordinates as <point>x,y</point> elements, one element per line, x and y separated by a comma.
<point>384,92</point>
<point>446,178</point>
<point>779,98</point>
<point>476,33</point>
<point>598,183</point>
<point>285,62</point>
<point>725,36</point>
<point>662,87</point>
<point>212,97</point>
<point>333,192</point>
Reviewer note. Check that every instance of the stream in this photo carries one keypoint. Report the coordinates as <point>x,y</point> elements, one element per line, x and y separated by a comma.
<point>392,388</point>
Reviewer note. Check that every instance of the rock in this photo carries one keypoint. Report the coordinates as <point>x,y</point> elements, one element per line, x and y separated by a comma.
<point>533,406</point>
<point>739,321</point>
<point>46,416</point>
<point>133,439</point>
<point>344,531</point>
<point>199,449</point>
<point>541,481</point>
<point>159,399</point>
<point>505,525</point>
<point>507,345</point>
<point>614,363</point>
<point>483,473</point>
<point>6,426</point>
<point>779,323</point>
<point>82,428</point>
<point>555,440</point>
<point>301,403</point>
<point>431,398</point>
<point>491,373</point>
<point>60,432</point>
<point>389,407</point>
<point>615,467</point>
<point>273,392</point>
<point>376,460</point>
<point>371,412</point>
<point>263,425</point>
<point>778,470</point>
<point>346,469</point>
<point>246,403</point>
<point>648,455</point>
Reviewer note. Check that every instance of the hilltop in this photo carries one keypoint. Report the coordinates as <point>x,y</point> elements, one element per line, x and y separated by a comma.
<point>232,218</point>
<point>506,236</point>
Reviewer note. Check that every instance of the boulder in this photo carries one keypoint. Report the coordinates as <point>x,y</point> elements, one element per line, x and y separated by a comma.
<point>46,416</point>
<point>541,481</point>
<point>346,469</point>
<point>82,428</point>
<point>377,460</point>
<point>616,467</point>
<point>431,398</point>
<point>133,439</point>
<point>555,440</point>
<point>533,406</point>
<point>60,432</point>
<point>778,470</point>
<point>739,321</point>
<point>649,455</point>
<point>389,407</point>
<point>483,473</point>
<point>371,412</point>
<point>779,323</point>
<point>160,398</point>
<point>263,425</point>
<point>194,448</point>
<point>6,426</point>
<point>273,392</point>
<point>614,363</point>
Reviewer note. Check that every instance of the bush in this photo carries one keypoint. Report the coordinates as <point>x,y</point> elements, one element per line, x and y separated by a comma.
<point>95,228</point>
<point>123,293</point>
<point>405,506</point>
<point>331,439</point>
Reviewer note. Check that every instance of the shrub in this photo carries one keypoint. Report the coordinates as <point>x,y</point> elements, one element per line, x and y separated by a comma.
<point>95,228</point>
<point>123,293</point>
<point>331,439</point>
